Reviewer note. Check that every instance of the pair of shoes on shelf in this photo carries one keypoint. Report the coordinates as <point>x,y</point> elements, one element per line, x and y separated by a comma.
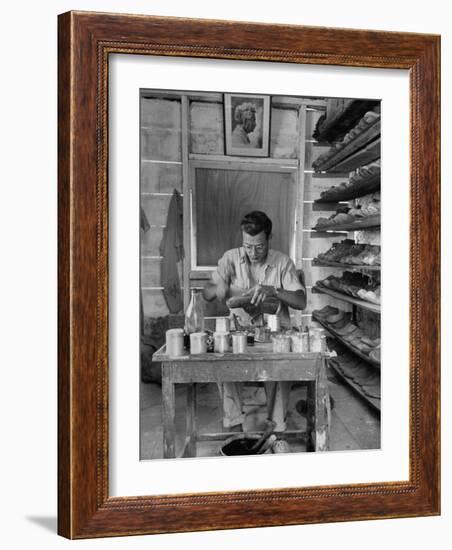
<point>372,296</point>
<point>325,312</point>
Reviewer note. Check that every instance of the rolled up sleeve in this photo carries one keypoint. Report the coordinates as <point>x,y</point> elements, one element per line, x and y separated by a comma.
<point>223,271</point>
<point>289,278</point>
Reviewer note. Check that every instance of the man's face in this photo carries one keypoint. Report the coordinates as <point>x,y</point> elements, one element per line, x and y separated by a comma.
<point>249,122</point>
<point>256,247</point>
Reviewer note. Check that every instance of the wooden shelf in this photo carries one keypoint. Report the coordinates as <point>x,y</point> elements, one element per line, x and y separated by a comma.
<point>354,350</point>
<point>364,148</point>
<point>357,225</point>
<point>345,298</point>
<point>375,403</point>
<point>354,191</point>
<point>337,127</point>
<point>320,263</point>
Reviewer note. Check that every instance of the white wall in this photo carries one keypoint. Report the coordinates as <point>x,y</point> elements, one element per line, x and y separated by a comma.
<point>28,276</point>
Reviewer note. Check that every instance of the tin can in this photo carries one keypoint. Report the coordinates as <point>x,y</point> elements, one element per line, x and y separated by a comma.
<point>239,342</point>
<point>274,323</point>
<point>221,342</point>
<point>315,339</point>
<point>222,324</point>
<point>174,342</point>
<point>262,334</point>
<point>299,342</point>
<point>198,343</point>
<point>281,343</point>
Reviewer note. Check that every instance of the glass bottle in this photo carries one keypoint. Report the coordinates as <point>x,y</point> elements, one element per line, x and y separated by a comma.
<point>194,316</point>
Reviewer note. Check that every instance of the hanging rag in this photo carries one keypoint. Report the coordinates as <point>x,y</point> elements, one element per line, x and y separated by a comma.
<point>144,226</point>
<point>172,250</point>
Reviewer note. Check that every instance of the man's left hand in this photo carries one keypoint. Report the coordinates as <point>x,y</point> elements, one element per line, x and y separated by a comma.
<point>260,293</point>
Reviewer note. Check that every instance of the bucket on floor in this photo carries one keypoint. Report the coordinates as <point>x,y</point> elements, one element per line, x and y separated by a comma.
<point>238,445</point>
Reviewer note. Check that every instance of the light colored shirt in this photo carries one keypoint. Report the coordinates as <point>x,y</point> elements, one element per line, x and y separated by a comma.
<point>278,271</point>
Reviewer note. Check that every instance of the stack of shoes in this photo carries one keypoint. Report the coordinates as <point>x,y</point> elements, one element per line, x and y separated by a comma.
<point>365,172</point>
<point>367,120</point>
<point>350,253</point>
<point>360,175</point>
<point>341,325</point>
<point>363,208</point>
<point>362,375</point>
<point>351,284</point>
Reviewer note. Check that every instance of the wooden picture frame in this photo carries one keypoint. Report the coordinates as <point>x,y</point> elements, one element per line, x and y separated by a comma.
<point>86,40</point>
<point>240,138</point>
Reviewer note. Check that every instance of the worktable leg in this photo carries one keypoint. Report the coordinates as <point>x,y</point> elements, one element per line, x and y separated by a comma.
<point>310,417</point>
<point>191,420</point>
<point>168,413</point>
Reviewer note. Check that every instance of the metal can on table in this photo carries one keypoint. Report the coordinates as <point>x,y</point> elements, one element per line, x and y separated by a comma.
<point>174,342</point>
<point>222,324</point>
<point>274,323</point>
<point>198,343</point>
<point>281,343</point>
<point>239,342</point>
<point>315,339</point>
<point>221,342</point>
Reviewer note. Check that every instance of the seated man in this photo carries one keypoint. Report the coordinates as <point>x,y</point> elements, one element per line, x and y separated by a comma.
<point>263,274</point>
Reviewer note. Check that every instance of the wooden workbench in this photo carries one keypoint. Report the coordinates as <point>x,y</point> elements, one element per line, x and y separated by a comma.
<point>258,364</point>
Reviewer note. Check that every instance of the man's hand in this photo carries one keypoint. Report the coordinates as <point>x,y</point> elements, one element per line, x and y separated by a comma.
<point>260,293</point>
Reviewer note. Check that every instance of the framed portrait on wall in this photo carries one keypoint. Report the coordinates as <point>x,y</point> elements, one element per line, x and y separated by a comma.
<point>247,125</point>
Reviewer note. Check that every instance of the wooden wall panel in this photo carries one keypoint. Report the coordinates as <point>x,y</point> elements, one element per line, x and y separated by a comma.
<point>150,241</point>
<point>223,197</point>
<point>284,133</point>
<point>160,144</point>
<point>156,208</point>
<point>150,272</point>
<point>164,113</point>
<point>154,304</point>
<point>206,128</point>
<point>160,178</point>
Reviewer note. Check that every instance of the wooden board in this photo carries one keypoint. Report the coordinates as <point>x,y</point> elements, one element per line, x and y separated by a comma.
<point>160,144</point>
<point>160,113</point>
<point>206,128</point>
<point>367,154</point>
<point>160,178</point>
<point>355,301</point>
<point>375,403</point>
<point>356,225</point>
<point>156,208</point>
<point>154,304</point>
<point>150,241</point>
<point>284,133</point>
<point>358,189</point>
<point>346,266</point>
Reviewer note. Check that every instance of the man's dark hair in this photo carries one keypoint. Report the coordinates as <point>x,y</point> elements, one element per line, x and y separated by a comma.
<point>255,222</point>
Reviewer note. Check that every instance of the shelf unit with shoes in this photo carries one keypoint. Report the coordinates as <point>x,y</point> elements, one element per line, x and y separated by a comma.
<point>359,155</point>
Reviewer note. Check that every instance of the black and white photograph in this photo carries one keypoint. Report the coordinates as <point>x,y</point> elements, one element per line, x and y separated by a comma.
<point>260,277</point>
<point>247,124</point>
